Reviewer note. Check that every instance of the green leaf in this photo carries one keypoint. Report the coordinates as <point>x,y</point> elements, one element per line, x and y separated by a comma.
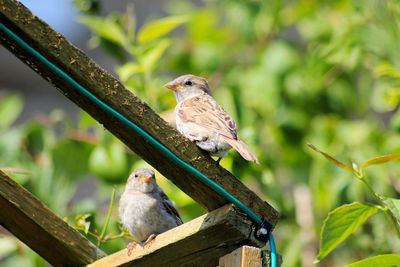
<point>340,223</point>
<point>129,69</point>
<point>10,108</point>
<point>332,159</point>
<point>106,28</point>
<point>393,205</point>
<point>86,121</point>
<point>87,6</point>
<point>37,137</point>
<point>149,59</point>
<point>81,222</point>
<point>160,27</point>
<point>386,69</point>
<point>387,260</point>
<point>70,158</point>
<point>380,160</point>
<point>109,163</point>
<point>111,48</point>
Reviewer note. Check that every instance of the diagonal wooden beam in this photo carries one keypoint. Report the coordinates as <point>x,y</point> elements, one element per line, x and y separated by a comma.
<point>200,242</point>
<point>87,73</point>
<point>42,230</point>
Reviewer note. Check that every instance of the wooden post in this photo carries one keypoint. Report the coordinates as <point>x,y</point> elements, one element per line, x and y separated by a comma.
<point>39,228</point>
<point>245,256</point>
<point>100,83</point>
<point>199,242</point>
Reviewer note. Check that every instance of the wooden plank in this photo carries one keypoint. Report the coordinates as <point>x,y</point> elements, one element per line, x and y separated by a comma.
<point>42,230</point>
<point>103,85</point>
<point>244,256</point>
<point>199,242</point>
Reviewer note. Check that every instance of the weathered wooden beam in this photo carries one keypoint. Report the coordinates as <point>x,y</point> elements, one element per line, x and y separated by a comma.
<point>42,230</point>
<point>200,242</point>
<point>247,256</point>
<point>244,256</point>
<point>87,73</point>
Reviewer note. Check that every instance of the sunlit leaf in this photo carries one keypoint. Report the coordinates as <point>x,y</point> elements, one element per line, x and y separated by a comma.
<point>386,69</point>
<point>127,70</point>
<point>340,223</point>
<point>380,160</point>
<point>385,95</point>
<point>106,28</point>
<point>335,161</point>
<point>158,28</point>
<point>393,205</point>
<point>81,222</point>
<point>10,108</point>
<point>149,59</point>
<point>387,260</point>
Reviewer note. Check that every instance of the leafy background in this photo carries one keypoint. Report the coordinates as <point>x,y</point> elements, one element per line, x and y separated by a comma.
<point>289,72</point>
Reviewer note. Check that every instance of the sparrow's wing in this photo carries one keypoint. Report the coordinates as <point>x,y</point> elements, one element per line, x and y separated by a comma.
<point>206,112</point>
<point>169,207</point>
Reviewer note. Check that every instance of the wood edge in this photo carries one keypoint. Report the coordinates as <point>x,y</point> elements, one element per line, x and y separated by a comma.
<point>227,214</point>
<point>26,198</point>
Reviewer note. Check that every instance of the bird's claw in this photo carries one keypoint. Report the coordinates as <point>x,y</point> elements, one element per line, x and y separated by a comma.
<point>150,239</point>
<point>130,247</point>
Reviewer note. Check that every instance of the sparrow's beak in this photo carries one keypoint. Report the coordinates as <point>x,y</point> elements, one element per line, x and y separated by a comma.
<point>146,178</point>
<point>174,86</point>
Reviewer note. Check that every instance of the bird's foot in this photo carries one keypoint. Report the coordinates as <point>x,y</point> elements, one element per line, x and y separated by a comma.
<point>195,138</point>
<point>150,239</point>
<point>130,247</point>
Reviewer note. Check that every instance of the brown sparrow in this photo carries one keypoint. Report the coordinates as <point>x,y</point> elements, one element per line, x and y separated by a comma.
<point>144,209</point>
<point>202,120</point>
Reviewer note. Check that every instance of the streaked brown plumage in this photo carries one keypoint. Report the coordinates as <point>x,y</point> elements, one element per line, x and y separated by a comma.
<point>144,209</point>
<point>201,119</point>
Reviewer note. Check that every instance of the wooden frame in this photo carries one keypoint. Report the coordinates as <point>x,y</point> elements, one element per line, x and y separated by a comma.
<point>208,237</point>
<point>100,83</point>
<point>38,227</point>
<point>199,242</point>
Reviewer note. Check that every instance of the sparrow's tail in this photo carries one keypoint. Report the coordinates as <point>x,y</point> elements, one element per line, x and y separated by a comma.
<point>242,148</point>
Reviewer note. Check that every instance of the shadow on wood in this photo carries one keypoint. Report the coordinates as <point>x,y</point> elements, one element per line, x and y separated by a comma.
<point>42,230</point>
<point>200,242</point>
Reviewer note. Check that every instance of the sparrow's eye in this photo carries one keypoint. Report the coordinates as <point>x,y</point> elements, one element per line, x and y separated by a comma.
<point>188,83</point>
<point>136,176</point>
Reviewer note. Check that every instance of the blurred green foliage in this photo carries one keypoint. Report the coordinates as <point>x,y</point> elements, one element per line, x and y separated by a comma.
<point>289,72</point>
